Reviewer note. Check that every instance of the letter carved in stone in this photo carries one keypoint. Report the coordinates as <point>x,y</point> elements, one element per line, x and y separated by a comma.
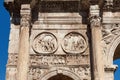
<point>74,43</point>
<point>45,43</point>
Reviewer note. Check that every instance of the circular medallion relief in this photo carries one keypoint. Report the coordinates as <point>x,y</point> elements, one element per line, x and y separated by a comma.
<point>74,43</point>
<point>45,43</point>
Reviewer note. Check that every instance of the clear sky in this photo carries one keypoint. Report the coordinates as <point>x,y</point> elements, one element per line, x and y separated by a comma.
<point>4,38</point>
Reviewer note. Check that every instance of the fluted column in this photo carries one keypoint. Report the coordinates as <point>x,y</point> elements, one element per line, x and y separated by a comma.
<point>23,56</point>
<point>95,24</point>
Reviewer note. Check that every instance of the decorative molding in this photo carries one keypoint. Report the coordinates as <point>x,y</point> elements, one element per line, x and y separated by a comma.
<point>111,67</point>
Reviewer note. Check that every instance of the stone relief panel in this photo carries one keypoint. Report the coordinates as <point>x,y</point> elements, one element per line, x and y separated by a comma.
<point>12,60</point>
<point>34,73</point>
<point>45,43</point>
<point>11,73</point>
<point>74,43</point>
<point>82,71</point>
<point>58,60</point>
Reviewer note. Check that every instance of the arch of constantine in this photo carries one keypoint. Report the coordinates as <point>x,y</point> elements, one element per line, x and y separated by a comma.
<point>63,39</point>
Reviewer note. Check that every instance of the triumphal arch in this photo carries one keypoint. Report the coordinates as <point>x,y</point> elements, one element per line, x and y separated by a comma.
<point>63,39</point>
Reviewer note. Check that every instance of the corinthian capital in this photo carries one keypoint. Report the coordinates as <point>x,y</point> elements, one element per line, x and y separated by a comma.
<point>95,20</point>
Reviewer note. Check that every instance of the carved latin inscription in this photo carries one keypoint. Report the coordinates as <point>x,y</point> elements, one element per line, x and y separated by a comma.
<point>45,43</point>
<point>74,43</point>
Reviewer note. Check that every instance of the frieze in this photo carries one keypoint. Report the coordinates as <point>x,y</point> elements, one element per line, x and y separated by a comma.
<point>58,60</point>
<point>12,60</point>
<point>74,43</point>
<point>45,43</point>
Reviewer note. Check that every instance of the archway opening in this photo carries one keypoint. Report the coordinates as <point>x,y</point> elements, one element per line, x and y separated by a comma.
<point>60,77</point>
<point>116,61</point>
<point>117,53</point>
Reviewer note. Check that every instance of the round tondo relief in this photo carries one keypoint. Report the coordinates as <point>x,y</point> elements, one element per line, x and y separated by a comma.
<point>45,43</point>
<point>74,43</point>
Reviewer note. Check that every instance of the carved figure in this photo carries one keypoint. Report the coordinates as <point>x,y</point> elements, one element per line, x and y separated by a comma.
<point>74,43</point>
<point>45,43</point>
<point>34,73</point>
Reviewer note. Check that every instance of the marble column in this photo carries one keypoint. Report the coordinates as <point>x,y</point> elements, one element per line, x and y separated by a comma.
<point>95,24</point>
<point>23,56</point>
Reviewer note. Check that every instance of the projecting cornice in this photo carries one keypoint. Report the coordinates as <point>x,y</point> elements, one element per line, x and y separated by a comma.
<point>53,5</point>
<point>62,5</point>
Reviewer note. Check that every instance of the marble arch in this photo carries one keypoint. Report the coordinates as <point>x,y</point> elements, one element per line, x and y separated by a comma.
<point>112,49</point>
<point>52,73</point>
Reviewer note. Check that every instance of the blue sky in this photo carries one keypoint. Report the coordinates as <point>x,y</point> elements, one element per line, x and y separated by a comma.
<point>4,38</point>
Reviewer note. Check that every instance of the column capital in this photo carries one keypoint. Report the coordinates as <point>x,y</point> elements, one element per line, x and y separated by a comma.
<point>95,20</point>
<point>94,17</point>
<point>25,15</point>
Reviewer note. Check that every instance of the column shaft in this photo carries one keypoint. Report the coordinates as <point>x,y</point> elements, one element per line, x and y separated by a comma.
<point>23,56</point>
